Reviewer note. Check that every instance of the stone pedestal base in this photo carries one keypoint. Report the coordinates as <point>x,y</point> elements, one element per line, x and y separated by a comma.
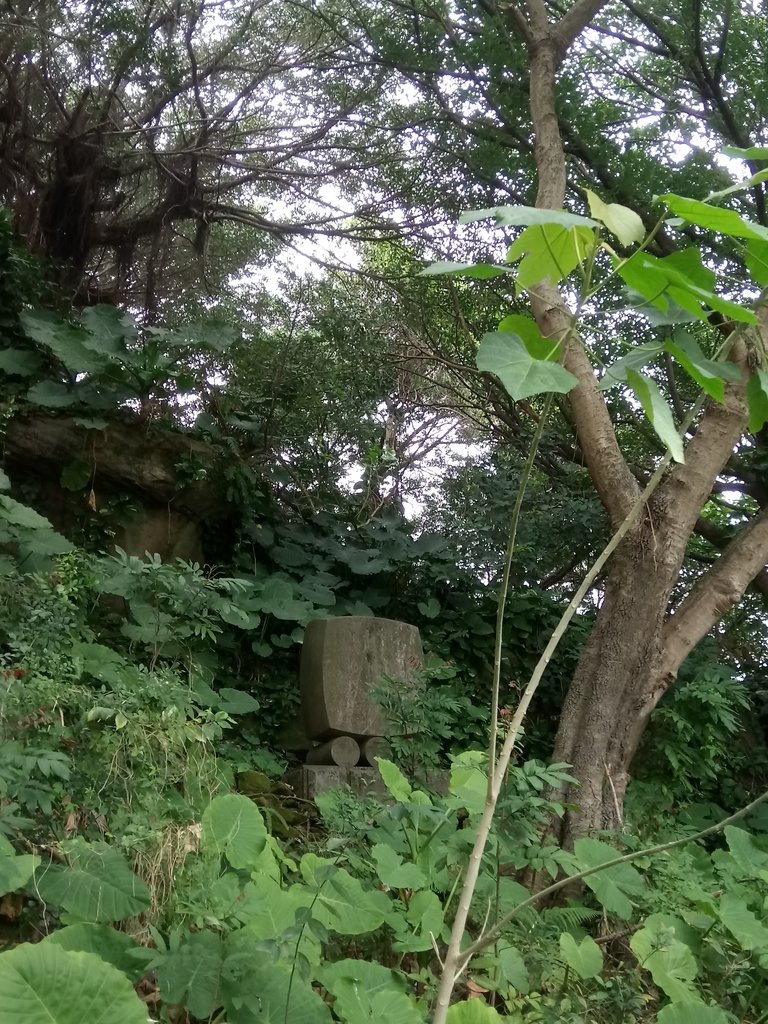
<point>311,779</point>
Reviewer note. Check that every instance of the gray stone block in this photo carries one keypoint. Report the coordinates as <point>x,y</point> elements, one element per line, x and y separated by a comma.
<point>341,659</point>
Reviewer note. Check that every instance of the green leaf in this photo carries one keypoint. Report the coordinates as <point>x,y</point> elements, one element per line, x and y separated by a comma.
<point>757,400</point>
<point>620,220</point>
<point>473,1011</point>
<point>15,871</point>
<point>339,900</point>
<point>234,828</point>
<point>714,218</point>
<point>52,394</point>
<point>98,885</point>
<point>393,872</point>
<point>67,343</point>
<point>585,957</point>
<point>751,153</point>
<point>237,702</point>
<point>523,369</point>
<point>671,963</point>
<point>398,787</point>
<point>429,609</point>
<point>692,1013</point>
<point>479,271</point>
<point>19,361</point>
<point>469,779</point>
<point>75,475</point>
<point>756,258</point>
<point>512,968</point>
<point>45,984</point>
<point>751,858</point>
<point>611,885</point>
<point>191,974</point>
<point>107,943</point>
<point>423,923</point>
<point>549,253</point>
<point>5,483</point>
<point>658,412</point>
<point>635,359</point>
<point>709,374</point>
<point>740,186</point>
<point>745,927</point>
<point>366,991</point>
<point>525,216</point>
<point>258,990</point>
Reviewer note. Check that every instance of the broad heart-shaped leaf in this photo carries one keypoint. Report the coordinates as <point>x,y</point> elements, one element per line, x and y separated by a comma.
<point>98,885</point>
<point>526,216</point>
<point>479,271</point>
<point>107,943</point>
<point>268,911</point>
<point>236,702</point>
<point>585,957</point>
<point>757,400</point>
<point>258,990</point>
<point>620,220</point>
<point>611,885</point>
<point>473,1011</point>
<point>191,975</point>
<point>745,927</point>
<point>20,361</point>
<point>423,923</point>
<point>635,359</point>
<point>15,871</point>
<point>714,218</point>
<point>709,374</point>
<point>751,857</point>
<point>469,779</point>
<point>752,153</point>
<point>366,991</point>
<point>756,258</point>
<point>234,828</point>
<point>680,278</point>
<point>658,412</point>
<point>671,963</point>
<point>339,900</point>
<point>549,252</point>
<point>67,343</point>
<point>45,984</point>
<point>393,872</point>
<point>692,1013</point>
<point>524,370</point>
<point>512,968</point>
<point>53,394</point>
<point>398,787</point>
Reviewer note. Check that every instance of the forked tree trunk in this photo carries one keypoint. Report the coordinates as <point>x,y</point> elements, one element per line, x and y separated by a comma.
<point>638,642</point>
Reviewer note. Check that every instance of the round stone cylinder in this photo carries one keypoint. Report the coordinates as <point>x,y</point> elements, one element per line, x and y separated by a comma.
<point>342,751</point>
<point>373,747</point>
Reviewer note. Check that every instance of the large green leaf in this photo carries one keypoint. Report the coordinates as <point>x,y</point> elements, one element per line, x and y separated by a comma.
<point>234,828</point>
<point>692,1013</point>
<point>367,992</point>
<point>624,223</point>
<point>513,968</point>
<point>479,271</point>
<point>525,369</point>
<point>398,787</point>
<point>191,974</point>
<point>393,872</point>
<point>97,885</point>
<point>52,394</point>
<point>549,252</point>
<point>637,358</point>
<point>751,857</point>
<point>107,943</point>
<point>671,963</point>
<point>611,885</point>
<point>258,990</point>
<point>745,927</point>
<point>757,400</point>
<point>710,375</point>
<point>15,870</point>
<point>45,984</point>
<point>67,343</point>
<point>714,218</point>
<point>585,957</point>
<point>339,900</point>
<point>473,1011</point>
<point>20,361</point>
<point>526,216</point>
<point>658,412</point>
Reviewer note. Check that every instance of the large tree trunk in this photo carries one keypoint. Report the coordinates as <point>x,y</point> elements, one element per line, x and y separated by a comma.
<point>638,642</point>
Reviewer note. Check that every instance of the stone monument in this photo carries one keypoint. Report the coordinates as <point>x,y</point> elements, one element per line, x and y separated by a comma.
<point>342,658</point>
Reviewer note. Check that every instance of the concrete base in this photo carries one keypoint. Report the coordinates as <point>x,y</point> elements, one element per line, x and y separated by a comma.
<point>311,779</point>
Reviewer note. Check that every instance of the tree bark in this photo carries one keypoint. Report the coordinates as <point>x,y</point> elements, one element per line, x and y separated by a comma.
<point>637,645</point>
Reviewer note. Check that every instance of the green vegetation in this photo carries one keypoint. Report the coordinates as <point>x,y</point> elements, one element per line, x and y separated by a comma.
<point>447,313</point>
